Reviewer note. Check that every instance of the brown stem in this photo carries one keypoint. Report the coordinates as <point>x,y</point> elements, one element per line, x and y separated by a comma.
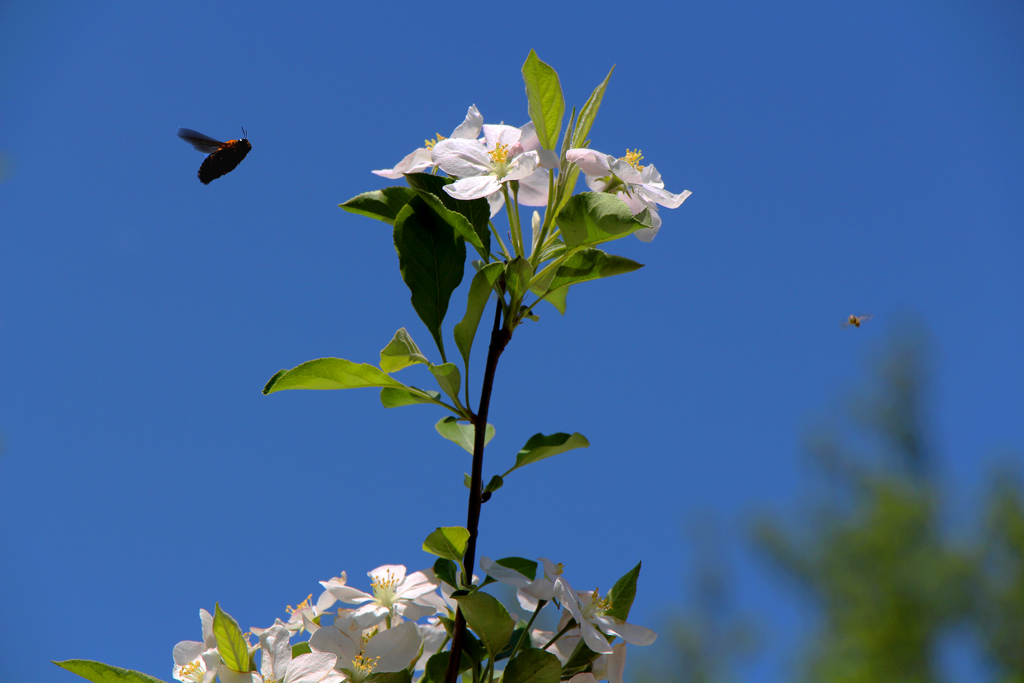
<point>499,340</point>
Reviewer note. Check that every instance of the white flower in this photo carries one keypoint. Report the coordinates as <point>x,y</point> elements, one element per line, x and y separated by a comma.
<point>419,160</point>
<point>393,593</point>
<point>361,652</point>
<point>306,613</point>
<point>196,662</point>
<point>638,186</point>
<point>588,609</point>
<point>530,592</point>
<point>482,167</point>
<point>605,668</point>
<point>277,665</point>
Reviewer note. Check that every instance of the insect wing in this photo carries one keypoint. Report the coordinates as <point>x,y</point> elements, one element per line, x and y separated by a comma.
<point>201,143</point>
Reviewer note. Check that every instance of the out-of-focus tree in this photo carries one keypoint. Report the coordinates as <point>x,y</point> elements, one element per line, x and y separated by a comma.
<point>873,555</point>
<point>1000,605</point>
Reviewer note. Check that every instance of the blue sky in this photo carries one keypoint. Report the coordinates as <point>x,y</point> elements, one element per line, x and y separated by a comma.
<point>843,158</point>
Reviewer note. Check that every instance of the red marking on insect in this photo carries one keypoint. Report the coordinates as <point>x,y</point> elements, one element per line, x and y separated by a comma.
<point>224,156</point>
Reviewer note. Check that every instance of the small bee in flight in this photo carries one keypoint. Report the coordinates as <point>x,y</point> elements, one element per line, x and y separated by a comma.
<point>224,156</point>
<point>856,320</point>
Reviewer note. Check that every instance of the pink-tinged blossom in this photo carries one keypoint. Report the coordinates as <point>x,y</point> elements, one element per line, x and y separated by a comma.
<point>640,187</point>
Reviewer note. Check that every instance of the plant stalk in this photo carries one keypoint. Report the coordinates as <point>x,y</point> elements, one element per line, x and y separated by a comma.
<point>499,340</point>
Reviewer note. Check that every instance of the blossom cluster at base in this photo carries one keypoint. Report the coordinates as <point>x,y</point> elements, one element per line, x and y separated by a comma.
<point>397,627</point>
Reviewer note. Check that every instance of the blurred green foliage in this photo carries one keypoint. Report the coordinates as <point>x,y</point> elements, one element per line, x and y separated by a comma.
<point>874,551</point>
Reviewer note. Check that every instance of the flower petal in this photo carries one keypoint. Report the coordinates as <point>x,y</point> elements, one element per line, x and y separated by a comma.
<point>470,128</point>
<point>473,188</point>
<point>416,161</point>
<point>461,158</point>
<point>590,161</point>
<point>631,633</point>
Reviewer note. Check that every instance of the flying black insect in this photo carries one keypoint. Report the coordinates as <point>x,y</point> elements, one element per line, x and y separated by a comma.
<point>224,156</point>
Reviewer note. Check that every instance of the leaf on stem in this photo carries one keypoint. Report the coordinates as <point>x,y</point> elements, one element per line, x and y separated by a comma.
<point>447,542</point>
<point>230,643</point>
<point>448,378</point>
<point>401,352</point>
<point>488,618</point>
<point>594,217</point>
<point>589,112</point>
<point>479,293</point>
<point>446,571</point>
<point>533,666</point>
<point>622,594</point>
<point>382,205</point>
<point>544,94</point>
<point>98,672</point>
<point>432,259</point>
<point>395,397</point>
<point>469,218</point>
<point>583,265</point>
<point>539,447</point>
<point>518,273</point>
<point>330,373</point>
<point>461,432</point>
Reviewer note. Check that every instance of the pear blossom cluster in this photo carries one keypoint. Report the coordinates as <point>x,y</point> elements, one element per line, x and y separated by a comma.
<point>397,626</point>
<point>484,159</point>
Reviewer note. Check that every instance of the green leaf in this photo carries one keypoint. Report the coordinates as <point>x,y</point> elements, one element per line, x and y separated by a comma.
<point>432,259</point>
<point>446,571</point>
<point>533,666</point>
<point>470,218</point>
<point>527,568</point>
<point>488,619</point>
<point>622,594</point>
<point>544,94</point>
<point>479,292</point>
<point>587,264</point>
<point>383,205</point>
<point>396,397</point>
<point>390,677</point>
<point>595,217</point>
<point>557,299</point>
<point>437,666</point>
<point>230,643</point>
<point>520,637</point>
<point>518,273</point>
<point>330,373</point>
<point>494,484</point>
<point>461,433</point>
<point>447,542</point>
<point>540,446</point>
<point>98,672</point>
<point>589,112</point>
<point>448,378</point>
<point>566,137</point>
<point>301,648</point>
<point>401,352</point>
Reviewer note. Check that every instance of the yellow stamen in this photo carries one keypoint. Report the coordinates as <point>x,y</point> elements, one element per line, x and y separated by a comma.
<point>363,666</point>
<point>429,144</point>
<point>193,672</point>
<point>305,604</point>
<point>633,159</point>
<point>500,153</point>
<point>384,588</point>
